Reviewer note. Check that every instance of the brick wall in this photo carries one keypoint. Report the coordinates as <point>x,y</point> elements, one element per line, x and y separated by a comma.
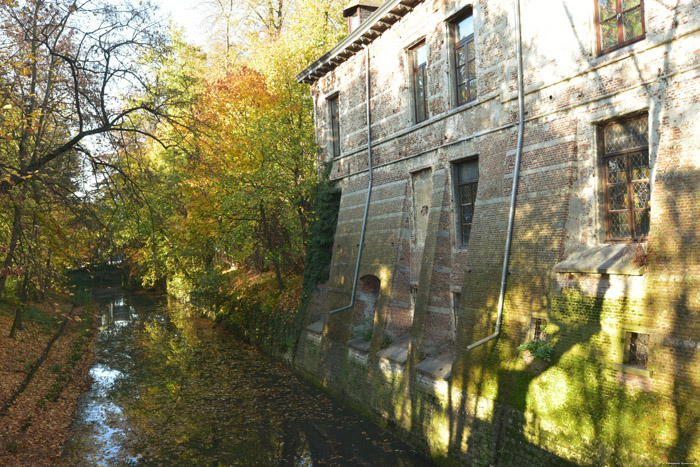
<point>586,406</point>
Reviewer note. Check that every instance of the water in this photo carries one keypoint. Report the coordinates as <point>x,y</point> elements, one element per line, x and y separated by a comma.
<point>171,389</point>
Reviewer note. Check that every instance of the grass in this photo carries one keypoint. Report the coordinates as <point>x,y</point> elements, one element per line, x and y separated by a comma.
<point>48,320</point>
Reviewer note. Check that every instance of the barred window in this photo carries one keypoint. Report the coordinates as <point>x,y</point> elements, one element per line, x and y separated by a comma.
<point>539,326</point>
<point>465,59</point>
<point>626,174</point>
<point>637,349</point>
<point>619,22</point>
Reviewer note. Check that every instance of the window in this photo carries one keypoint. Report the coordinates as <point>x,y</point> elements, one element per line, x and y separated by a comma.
<point>465,59</point>
<point>335,125</point>
<point>626,174</point>
<point>466,175</point>
<point>419,61</point>
<point>539,325</point>
<point>619,22</point>
<point>637,349</point>
<point>456,303</point>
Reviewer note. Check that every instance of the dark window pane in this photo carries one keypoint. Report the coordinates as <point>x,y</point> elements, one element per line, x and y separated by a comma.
<point>335,126</point>
<point>466,195</point>
<point>472,69</point>
<point>617,195</point>
<point>641,219</point>
<point>632,24</point>
<point>639,349</point>
<point>466,176</point>
<point>467,214</point>
<point>616,170</point>
<point>620,225</point>
<point>466,230</point>
<point>607,9</point>
<point>468,171</point>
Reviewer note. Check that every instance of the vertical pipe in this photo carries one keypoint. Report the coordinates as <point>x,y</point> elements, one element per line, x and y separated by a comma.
<point>516,176</point>
<point>369,189</point>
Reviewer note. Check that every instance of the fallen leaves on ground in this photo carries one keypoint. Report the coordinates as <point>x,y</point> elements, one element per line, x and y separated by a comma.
<point>33,430</point>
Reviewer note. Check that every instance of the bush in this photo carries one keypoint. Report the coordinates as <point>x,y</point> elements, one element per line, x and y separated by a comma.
<point>539,349</point>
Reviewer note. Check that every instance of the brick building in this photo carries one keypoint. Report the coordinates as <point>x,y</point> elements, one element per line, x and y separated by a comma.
<point>604,263</point>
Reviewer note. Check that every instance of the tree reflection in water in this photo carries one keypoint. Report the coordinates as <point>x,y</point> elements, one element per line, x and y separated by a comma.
<point>188,394</point>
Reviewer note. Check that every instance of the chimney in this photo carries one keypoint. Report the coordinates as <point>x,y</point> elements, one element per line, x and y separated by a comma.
<point>358,11</point>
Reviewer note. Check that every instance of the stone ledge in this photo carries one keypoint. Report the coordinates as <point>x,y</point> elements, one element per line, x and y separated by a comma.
<point>395,353</point>
<point>602,259</point>
<point>634,370</point>
<point>437,369</point>
<point>317,327</point>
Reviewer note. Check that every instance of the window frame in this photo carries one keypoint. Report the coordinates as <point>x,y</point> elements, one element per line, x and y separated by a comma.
<point>634,235</point>
<point>456,44</point>
<point>334,123</point>
<point>457,185</point>
<point>619,27</point>
<point>413,51</point>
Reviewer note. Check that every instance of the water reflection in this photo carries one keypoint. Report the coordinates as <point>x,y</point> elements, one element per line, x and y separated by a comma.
<point>171,390</point>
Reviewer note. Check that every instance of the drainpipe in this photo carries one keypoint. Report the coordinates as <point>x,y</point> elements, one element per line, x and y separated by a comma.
<point>516,175</point>
<point>369,190</point>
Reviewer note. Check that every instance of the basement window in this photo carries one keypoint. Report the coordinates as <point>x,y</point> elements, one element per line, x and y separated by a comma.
<point>636,349</point>
<point>539,325</point>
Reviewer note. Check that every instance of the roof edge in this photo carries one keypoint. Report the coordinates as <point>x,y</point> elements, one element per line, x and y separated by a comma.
<point>381,20</point>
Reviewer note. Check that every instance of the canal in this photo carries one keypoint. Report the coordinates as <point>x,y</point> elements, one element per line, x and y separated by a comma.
<point>170,388</point>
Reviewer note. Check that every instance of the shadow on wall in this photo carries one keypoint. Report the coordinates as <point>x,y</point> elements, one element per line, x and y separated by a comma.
<point>579,406</point>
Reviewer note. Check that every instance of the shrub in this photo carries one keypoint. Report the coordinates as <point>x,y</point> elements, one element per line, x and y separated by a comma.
<point>539,349</point>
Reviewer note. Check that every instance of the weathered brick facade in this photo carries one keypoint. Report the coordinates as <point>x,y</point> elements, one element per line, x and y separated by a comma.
<point>493,404</point>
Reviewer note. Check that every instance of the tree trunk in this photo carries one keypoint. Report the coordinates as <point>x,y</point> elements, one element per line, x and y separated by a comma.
<point>17,322</point>
<point>268,242</point>
<point>7,264</point>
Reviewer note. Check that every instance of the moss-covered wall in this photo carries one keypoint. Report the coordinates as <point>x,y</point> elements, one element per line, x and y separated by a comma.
<point>579,408</point>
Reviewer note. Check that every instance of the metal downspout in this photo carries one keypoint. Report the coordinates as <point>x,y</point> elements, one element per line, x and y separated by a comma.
<point>369,190</point>
<point>516,175</point>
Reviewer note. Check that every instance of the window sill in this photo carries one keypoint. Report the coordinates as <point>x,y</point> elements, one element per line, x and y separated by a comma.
<point>602,259</point>
<point>636,46</point>
<point>633,370</point>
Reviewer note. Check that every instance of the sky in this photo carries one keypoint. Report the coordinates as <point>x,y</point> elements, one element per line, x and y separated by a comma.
<point>186,13</point>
